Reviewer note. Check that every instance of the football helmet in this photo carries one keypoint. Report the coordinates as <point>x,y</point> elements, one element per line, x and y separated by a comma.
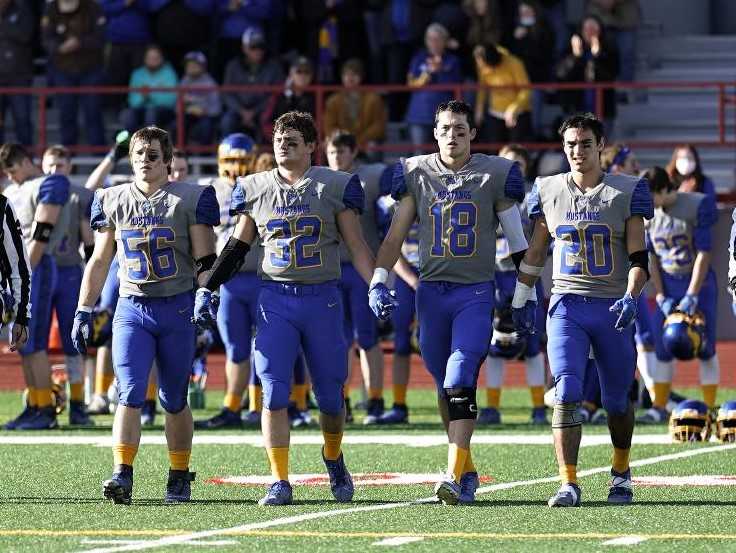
<point>683,335</point>
<point>235,156</point>
<point>726,422</point>
<point>505,341</point>
<point>690,422</point>
<point>101,330</point>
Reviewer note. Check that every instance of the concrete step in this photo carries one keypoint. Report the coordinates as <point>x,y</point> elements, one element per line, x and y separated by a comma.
<point>699,73</point>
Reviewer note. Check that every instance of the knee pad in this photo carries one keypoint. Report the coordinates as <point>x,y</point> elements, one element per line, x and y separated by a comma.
<point>568,389</point>
<point>461,403</point>
<point>565,415</point>
<point>171,403</point>
<point>275,395</point>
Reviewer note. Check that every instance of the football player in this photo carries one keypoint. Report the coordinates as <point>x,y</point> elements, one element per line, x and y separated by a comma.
<point>680,237</point>
<point>40,202</point>
<point>732,263</point>
<point>361,326</point>
<point>532,352</point>
<point>300,212</point>
<point>458,200</point>
<point>57,159</point>
<point>165,241</point>
<point>600,267</point>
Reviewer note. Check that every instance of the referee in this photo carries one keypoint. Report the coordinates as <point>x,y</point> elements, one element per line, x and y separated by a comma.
<point>15,277</point>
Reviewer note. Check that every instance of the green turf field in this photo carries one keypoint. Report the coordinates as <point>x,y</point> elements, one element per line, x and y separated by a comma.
<point>50,497</point>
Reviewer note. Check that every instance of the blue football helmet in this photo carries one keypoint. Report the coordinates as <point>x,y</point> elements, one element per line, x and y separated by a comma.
<point>690,422</point>
<point>235,156</point>
<point>683,335</point>
<point>726,422</point>
<point>505,341</point>
<point>101,330</point>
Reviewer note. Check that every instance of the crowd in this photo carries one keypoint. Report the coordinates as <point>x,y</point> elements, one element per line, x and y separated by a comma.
<point>293,44</point>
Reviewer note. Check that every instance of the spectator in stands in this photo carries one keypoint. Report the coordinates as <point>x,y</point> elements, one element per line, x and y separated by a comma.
<point>486,25</point>
<point>201,107</point>
<point>505,114</point>
<point>592,59</point>
<point>181,26</point>
<point>686,172</point>
<point>294,97</point>
<point>533,41</point>
<point>619,159</point>
<point>403,24</point>
<point>621,18</point>
<point>264,162</point>
<point>127,32</point>
<point>361,113</point>
<point>234,18</point>
<point>431,65</point>
<point>179,166</point>
<point>74,36</point>
<point>155,107</point>
<point>252,68</point>
<point>16,52</point>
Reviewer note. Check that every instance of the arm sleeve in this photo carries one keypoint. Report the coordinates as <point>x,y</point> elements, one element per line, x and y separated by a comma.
<point>98,220</point>
<point>514,186</point>
<point>534,203</point>
<point>353,196</point>
<point>15,260</point>
<point>399,187</point>
<point>54,190</point>
<point>703,231</point>
<point>208,210</point>
<point>641,200</point>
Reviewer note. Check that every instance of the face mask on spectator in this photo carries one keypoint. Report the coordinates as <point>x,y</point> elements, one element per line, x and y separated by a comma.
<point>685,165</point>
<point>527,21</point>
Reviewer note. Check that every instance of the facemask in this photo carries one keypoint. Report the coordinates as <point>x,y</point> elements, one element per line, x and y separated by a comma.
<point>527,21</point>
<point>685,165</point>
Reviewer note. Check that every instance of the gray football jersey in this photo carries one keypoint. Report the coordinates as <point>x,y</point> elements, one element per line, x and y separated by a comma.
<point>152,234</point>
<point>370,179</point>
<point>456,213</point>
<point>67,251</point>
<point>297,223</point>
<point>590,254</point>
<point>47,189</point>
<point>677,234</point>
<point>224,231</point>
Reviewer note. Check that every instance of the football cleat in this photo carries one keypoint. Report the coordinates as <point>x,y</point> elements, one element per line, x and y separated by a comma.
<point>27,413</point>
<point>599,417</point>
<point>42,419</point>
<point>489,415</point>
<point>654,415</point>
<point>448,491</point>
<point>120,487</point>
<point>690,422</point>
<point>469,482</point>
<point>278,494</point>
<point>567,496</point>
<point>398,414</point>
<point>78,414</point>
<point>341,483</point>
<point>148,412</point>
<point>539,416</point>
<point>98,405</point>
<point>179,486</point>
<point>621,491</point>
<point>375,409</point>
<point>683,335</point>
<point>224,419</point>
<point>251,419</point>
<point>726,422</point>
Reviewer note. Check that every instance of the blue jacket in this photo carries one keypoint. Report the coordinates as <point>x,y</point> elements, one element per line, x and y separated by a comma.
<point>127,25</point>
<point>255,13</point>
<point>423,103</point>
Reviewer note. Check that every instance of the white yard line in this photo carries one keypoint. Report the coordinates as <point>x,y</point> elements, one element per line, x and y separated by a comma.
<point>206,543</point>
<point>399,540</point>
<point>625,540</point>
<point>255,440</point>
<point>284,521</point>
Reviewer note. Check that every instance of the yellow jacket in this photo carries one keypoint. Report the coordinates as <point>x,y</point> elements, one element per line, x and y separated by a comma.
<point>510,71</point>
<point>370,124</point>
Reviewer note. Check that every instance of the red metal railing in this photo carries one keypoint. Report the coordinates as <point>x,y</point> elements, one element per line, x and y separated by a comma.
<point>725,91</point>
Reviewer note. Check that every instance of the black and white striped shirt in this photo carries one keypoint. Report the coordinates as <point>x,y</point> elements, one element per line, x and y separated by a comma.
<point>15,270</point>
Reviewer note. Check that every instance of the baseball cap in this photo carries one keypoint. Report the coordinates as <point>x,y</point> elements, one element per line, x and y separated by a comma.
<point>302,63</point>
<point>253,37</point>
<point>197,56</point>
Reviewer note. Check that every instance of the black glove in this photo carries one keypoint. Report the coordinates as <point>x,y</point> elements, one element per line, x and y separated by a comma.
<point>122,143</point>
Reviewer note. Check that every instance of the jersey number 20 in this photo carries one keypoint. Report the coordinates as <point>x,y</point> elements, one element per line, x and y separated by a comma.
<point>585,251</point>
